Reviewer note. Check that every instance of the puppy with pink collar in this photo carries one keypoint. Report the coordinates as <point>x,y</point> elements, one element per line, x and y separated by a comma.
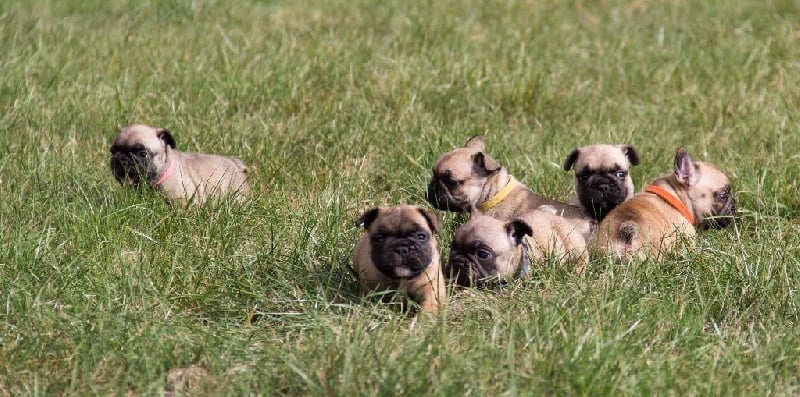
<point>146,157</point>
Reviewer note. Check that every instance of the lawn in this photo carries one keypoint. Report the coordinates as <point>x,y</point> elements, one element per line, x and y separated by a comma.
<point>339,106</point>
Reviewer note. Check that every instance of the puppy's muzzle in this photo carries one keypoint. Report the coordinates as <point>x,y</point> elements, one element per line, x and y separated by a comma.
<point>463,271</point>
<point>128,170</point>
<point>437,196</point>
<point>410,256</point>
<point>606,186</point>
<point>724,216</point>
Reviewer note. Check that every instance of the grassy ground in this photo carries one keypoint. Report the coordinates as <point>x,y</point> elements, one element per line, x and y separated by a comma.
<point>342,105</point>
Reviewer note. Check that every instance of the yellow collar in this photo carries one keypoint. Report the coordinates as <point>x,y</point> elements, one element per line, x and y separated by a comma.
<point>500,196</point>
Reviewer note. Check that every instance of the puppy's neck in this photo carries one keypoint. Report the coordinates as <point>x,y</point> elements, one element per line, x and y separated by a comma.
<point>524,259</point>
<point>169,170</point>
<point>494,184</point>
<point>672,186</point>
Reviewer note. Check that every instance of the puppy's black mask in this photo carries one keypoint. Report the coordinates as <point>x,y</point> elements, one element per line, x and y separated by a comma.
<point>133,163</point>
<point>470,266</point>
<point>724,209</point>
<point>601,191</point>
<point>410,249</point>
<point>440,195</point>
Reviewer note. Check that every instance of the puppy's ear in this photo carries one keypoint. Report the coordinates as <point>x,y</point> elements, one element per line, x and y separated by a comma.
<point>517,230</point>
<point>476,142</point>
<point>631,153</point>
<point>571,159</point>
<point>434,221</point>
<point>166,136</point>
<point>484,164</point>
<point>685,171</point>
<point>367,218</point>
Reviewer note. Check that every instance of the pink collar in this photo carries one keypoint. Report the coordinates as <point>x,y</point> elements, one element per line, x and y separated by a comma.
<point>167,172</point>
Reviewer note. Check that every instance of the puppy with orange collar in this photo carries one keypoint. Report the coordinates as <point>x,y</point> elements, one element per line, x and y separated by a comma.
<point>696,195</point>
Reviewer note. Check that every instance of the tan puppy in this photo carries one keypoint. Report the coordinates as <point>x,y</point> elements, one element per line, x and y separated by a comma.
<point>696,195</point>
<point>399,252</point>
<point>602,180</point>
<point>485,248</point>
<point>468,177</point>
<point>143,156</point>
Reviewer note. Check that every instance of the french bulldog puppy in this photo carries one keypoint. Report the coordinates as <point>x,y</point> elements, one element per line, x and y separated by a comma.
<point>602,180</point>
<point>146,157</point>
<point>468,178</point>
<point>486,248</point>
<point>696,195</point>
<point>399,252</point>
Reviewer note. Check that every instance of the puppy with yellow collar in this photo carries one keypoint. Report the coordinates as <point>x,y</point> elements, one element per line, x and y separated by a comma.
<point>468,177</point>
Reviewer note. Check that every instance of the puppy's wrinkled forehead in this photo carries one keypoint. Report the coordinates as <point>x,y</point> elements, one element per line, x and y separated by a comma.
<point>602,157</point>
<point>711,175</point>
<point>456,163</point>
<point>399,221</point>
<point>137,133</point>
<point>481,228</point>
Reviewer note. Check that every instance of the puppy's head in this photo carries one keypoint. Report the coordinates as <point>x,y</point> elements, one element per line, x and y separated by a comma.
<point>708,189</point>
<point>401,238</point>
<point>602,181</point>
<point>138,154</point>
<point>459,177</point>
<point>485,248</point>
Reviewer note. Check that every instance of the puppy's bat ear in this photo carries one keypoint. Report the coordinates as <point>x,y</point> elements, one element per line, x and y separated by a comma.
<point>685,170</point>
<point>631,153</point>
<point>476,142</point>
<point>517,230</point>
<point>434,220</point>
<point>484,164</point>
<point>166,136</point>
<point>571,159</point>
<point>367,218</point>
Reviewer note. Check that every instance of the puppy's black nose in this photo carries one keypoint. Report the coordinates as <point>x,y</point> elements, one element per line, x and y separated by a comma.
<point>401,250</point>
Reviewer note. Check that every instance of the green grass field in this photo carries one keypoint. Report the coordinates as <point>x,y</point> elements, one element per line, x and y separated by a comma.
<point>342,105</point>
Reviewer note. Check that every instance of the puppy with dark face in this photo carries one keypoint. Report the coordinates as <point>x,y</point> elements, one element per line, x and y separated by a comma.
<point>602,181</point>
<point>468,178</point>
<point>485,248</point>
<point>145,157</point>
<point>399,252</point>
<point>696,195</point>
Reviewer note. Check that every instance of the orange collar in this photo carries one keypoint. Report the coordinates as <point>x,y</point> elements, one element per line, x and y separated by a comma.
<point>671,200</point>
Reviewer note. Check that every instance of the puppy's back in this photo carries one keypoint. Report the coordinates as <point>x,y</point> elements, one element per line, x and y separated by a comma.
<point>214,175</point>
<point>637,228</point>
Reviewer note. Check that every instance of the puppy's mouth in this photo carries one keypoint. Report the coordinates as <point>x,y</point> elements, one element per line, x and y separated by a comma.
<point>401,260</point>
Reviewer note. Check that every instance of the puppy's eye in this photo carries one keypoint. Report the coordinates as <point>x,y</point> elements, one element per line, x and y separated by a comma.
<point>422,236</point>
<point>484,254</point>
<point>378,238</point>
<point>723,195</point>
<point>583,177</point>
<point>451,183</point>
<point>143,153</point>
<point>621,174</point>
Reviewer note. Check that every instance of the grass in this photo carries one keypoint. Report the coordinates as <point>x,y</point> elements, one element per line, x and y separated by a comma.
<point>339,106</point>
